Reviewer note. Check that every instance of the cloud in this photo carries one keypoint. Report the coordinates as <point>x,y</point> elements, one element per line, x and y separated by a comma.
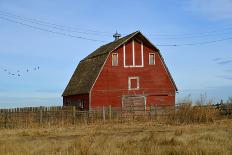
<point>213,9</point>
<point>228,70</point>
<point>226,77</point>
<point>217,59</point>
<point>224,62</point>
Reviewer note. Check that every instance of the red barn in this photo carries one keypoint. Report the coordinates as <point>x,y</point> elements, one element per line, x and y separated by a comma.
<point>127,70</point>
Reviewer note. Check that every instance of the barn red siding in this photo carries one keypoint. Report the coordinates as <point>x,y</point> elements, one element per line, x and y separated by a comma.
<point>112,82</point>
<point>138,55</point>
<point>71,100</point>
<point>129,60</point>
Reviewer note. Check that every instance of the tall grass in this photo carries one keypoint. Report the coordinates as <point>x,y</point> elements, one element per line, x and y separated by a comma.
<point>188,112</point>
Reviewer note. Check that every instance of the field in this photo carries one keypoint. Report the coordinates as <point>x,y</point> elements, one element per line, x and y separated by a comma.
<point>121,138</point>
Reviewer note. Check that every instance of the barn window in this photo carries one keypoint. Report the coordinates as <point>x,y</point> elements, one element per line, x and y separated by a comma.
<point>80,104</point>
<point>115,59</point>
<point>151,58</point>
<point>133,83</point>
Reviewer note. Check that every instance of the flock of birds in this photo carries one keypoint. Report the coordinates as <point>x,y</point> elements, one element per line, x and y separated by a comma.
<point>19,73</point>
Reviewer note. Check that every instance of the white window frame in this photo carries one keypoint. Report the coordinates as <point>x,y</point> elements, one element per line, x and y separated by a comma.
<point>133,55</point>
<point>150,58</point>
<point>129,82</point>
<point>113,60</point>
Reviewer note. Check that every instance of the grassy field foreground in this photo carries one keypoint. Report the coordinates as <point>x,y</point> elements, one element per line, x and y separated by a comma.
<point>130,138</point>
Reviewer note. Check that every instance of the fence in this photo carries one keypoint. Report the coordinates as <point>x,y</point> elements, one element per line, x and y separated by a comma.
<point>68,115</point>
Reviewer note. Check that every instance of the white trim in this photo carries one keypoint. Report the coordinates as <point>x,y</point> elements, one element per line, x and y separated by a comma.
<point>137,66</point>
<point>133,56</point>
<point>142,54</point>
<point>116,58</point>
<point>133,52</point>
<point>124,55</point>
<point>150,58</point>
<point>129,83</point>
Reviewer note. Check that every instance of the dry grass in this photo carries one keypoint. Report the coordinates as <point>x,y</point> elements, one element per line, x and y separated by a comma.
<point>129,138</point>
<point>188,114</point>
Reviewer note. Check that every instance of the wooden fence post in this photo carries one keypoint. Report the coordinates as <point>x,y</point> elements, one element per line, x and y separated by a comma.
<point>145,111</point>
<point>74,114</point>
<point>156,111</point>
<point>62,117</point>
<point>9,118</point>
<point>40,115</point>
<point>86,117</point>
<point>103,114</point>
<point>92,114</point>
<point>110,112</point>
<point>145,108</point>
<point>5,119</point>
<point>151,110</point>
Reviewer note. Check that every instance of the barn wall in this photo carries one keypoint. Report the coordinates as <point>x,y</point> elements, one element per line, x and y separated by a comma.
<point>112,82</point>
<point>138,53</point>
<point>129,60</point>
<point>71,100</point>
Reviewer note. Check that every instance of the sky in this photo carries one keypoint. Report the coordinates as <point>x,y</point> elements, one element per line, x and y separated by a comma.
<point>49,38</point>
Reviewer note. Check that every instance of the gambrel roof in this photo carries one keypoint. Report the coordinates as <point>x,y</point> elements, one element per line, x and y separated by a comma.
<point>88,69</point>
